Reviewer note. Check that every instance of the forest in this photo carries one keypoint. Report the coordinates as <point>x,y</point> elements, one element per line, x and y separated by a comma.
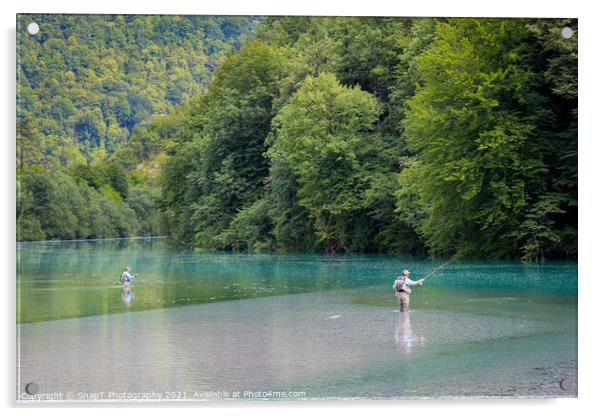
<point>443,136</point>
<point>87,84</point>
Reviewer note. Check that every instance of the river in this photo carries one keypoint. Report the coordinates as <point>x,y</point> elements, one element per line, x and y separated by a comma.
<point>213,325</point>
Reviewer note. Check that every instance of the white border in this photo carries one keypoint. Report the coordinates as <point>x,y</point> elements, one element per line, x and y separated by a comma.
<point>507,8</point>
<point>589,171</point>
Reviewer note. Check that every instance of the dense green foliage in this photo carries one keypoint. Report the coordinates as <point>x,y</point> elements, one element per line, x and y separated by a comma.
<point>53,206</point>
<point>456,136</point>
<point>93,78</point>
<point>495,164</point>
<point>322,136</point>
<point>449,136</point>
<point>221,168</point>
<point>88,83</point>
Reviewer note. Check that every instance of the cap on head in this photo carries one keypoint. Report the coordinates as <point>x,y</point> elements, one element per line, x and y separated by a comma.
<point>406,271</point>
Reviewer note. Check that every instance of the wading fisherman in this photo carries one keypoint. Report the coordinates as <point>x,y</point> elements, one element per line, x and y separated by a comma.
<point>127,276</point>
<point>402,290</point>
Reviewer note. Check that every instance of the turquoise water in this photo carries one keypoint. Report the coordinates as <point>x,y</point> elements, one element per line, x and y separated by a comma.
<point>209,325</point>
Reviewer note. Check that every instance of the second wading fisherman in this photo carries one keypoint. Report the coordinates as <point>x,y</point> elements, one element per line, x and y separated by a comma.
<point>402,289</point>
<point>126,276</point>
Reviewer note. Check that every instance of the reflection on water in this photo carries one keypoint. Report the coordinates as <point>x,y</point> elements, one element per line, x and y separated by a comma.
<point>405,339</point>
<point>127,294</point>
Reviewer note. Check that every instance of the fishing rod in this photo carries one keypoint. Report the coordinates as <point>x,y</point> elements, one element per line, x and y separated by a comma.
<point>437,269</point>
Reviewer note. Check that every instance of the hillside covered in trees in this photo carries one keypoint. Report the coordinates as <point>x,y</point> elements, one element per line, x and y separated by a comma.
<point>445,136</point>
<point>88,83</point>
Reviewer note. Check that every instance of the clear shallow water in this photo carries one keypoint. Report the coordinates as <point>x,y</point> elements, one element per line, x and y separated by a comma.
<point>322,325</point>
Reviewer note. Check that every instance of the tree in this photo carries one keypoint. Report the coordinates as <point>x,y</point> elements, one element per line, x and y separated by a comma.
<point>319,134</point>
<point>114,176</point>
<point>478,127</point>
<point>226,132</point>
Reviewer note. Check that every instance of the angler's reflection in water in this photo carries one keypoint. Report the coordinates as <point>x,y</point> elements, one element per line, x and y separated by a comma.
<point>127,294</point>
<point>405,338</point>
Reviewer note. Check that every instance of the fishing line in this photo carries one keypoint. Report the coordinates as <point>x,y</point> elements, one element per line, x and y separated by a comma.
<point>437,269</point>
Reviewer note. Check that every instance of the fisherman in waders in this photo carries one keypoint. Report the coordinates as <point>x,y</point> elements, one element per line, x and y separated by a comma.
<point>402,290</point>
<point>126,276</point>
